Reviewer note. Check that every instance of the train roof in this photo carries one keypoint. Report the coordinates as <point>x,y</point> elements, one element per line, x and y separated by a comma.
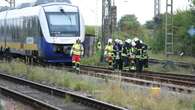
<point>47,1</point>
<point>31,11</point>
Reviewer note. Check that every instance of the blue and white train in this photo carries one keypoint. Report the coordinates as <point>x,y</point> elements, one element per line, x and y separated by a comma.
<point>45,31</point>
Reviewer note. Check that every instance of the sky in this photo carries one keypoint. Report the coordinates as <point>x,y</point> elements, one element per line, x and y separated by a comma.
<point>143,9</point>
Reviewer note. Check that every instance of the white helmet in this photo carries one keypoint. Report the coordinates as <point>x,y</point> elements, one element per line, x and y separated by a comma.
<point>78,41</point>
<point>116,40</point>
<point>141,41</point>
<point>109,40</point>
<point>128,41</point>
<point>120,42</point>
<point>135,39</point>
<point>133,43</point>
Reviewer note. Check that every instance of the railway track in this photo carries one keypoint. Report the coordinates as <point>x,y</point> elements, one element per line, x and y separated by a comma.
<point>180,64</point>
<point>178,79</point>
<point>176,82</point>
<point>180,83</point>
<point>49,98</point>
<point>190,78</point>
<point>26,99</point>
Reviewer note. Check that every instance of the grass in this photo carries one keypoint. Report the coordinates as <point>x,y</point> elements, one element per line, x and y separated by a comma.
<point>47,75</point>
<point>170,69</point>
<point>93,60</point>
<point>114,92</point>
<point>142,100</point>
<point>160,56</point>
<point>7,103</point>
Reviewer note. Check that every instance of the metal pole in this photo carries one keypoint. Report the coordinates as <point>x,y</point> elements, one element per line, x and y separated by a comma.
<point>166,19</point>
<point>156,8</point>
<point>169,28</point>
<point>191,47</point>
<point>103,34</point>
<point>106,24</point>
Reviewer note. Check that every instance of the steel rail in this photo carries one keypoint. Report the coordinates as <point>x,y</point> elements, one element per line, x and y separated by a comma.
<point>141,79</point>
<point>147,83</point>
<point>188,80</point>
<point>90,102</point>
<point>178,63</point>
<point>26,99</point>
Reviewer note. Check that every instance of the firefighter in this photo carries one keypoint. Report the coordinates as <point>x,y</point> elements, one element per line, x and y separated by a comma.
<point>138,51</point>
<point>76,52</point>
<point>145,54</point>
<point>132,55</point>
<point>121,60</point>
<point>108,53</point>
<point>118,63</point>
<point>126,53</point>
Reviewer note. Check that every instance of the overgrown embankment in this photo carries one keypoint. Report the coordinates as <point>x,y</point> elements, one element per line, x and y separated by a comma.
<point>115,92</point>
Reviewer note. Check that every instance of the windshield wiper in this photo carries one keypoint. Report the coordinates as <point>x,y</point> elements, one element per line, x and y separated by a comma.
<point>62,10</point>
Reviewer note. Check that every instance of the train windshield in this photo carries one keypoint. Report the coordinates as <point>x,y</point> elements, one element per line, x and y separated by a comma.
<point>64,24</point>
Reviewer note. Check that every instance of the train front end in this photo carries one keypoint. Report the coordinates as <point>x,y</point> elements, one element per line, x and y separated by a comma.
<point>63,26</point>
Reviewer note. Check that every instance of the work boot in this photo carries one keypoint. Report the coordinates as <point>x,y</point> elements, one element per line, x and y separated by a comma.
<point>133,68</point>
<point>78,66</point>
<point>78,69</point>
<point>73,65</point>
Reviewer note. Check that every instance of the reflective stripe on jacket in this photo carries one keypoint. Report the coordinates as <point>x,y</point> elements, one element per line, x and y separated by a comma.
<point>77,49</point>
<point>109,50</point>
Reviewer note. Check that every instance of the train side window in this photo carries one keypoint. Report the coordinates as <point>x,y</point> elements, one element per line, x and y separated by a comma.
<point>28,27</point>
<point>13,26</point>
<point>39,31</point>
<point>25,26</point>
<point>0,28</point>
<point>19,28</point>
<point>22,30</point>
<point>8,27</point>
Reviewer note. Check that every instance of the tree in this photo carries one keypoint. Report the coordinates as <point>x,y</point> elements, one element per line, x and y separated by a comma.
<point>128,22</point>
<point>183,20</point>
<point>129,27</point>
<point>90,30</point>
<point>150,24</point>
<point>193,2</point>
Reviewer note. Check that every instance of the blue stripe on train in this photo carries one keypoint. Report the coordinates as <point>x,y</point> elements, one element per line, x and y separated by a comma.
<point>50,56</point>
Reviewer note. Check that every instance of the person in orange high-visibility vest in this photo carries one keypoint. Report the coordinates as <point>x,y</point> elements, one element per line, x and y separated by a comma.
<point>76,52</point>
